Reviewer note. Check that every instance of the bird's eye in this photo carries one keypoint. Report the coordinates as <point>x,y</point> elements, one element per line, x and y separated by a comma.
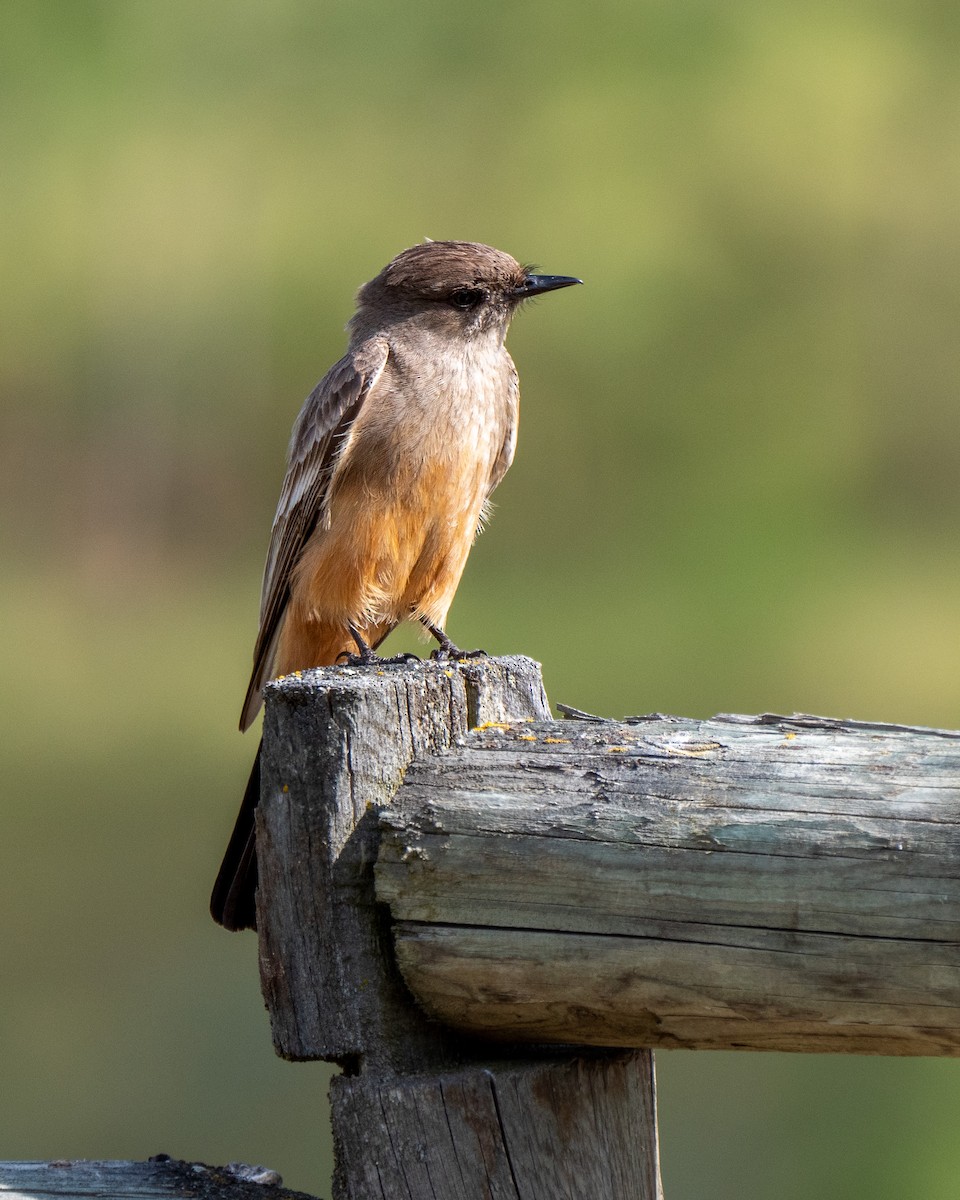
<point>467,298</point>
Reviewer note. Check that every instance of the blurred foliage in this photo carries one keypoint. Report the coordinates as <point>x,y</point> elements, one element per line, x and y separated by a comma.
<point>736,485</point>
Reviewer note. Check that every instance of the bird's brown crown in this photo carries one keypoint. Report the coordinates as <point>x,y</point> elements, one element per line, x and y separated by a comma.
<point>434,269</point>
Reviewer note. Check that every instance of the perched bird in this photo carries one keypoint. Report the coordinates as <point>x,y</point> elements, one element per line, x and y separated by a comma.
<point>391,464</point>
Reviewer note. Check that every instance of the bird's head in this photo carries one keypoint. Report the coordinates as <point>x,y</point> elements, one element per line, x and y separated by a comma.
<point>456,289</point>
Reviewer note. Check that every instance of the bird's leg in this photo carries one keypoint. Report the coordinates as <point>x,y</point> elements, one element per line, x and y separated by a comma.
<point>366,657</point>
<point>447,648</point>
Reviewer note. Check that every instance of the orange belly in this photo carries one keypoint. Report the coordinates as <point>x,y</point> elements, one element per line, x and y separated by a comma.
<point>381,560</point>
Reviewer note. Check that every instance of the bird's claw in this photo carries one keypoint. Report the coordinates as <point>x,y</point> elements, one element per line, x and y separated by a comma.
<point>371,659</point>
<point>448,651</point>
<point>366,656</point>
<point>453,653</point>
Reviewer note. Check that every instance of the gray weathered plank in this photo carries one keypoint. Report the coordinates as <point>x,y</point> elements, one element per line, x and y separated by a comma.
<point>787,883</point>
<point>160,1178</point>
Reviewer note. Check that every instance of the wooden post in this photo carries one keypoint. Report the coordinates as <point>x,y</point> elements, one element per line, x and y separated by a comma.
<point>421,1112</point>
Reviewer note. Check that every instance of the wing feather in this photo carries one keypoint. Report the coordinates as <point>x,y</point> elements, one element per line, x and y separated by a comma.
<point>505,457</point>
<point>318,436</point>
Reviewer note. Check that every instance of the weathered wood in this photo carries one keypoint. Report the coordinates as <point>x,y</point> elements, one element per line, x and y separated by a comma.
<point>423,1112</point>
<point>160,1178</point>
<point>551,1130</point>
<point>336,745</point>
<point>767,883</point>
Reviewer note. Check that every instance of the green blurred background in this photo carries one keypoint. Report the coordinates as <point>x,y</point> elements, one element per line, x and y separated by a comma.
<point>736,489</point>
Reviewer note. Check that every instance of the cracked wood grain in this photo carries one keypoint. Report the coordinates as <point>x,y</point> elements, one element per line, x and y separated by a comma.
<point>159,1178</point>
<point>336,745</point>
<point>784,883</point>
<point>422,1112</point>
<point>538,1132</point>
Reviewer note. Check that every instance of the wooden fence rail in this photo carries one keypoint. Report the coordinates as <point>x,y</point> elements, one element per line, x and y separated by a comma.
<point>159,1178</point>
<point>460,897</point>
<point>776,883</point>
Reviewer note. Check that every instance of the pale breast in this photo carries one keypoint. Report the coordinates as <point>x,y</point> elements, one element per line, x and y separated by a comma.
<point>441,423</point>
<point>408,491</point>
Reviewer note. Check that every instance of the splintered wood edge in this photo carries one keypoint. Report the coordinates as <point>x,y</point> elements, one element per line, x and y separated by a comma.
<point>162,1177</point>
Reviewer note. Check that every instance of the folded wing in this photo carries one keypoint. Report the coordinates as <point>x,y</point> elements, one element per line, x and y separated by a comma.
<point>319,434</point>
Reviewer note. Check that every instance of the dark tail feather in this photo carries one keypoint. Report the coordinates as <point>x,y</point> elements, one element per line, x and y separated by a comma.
<point>233,903</point>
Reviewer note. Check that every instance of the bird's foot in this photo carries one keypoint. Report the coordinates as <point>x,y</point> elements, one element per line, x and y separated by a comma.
<point>367,657</point>
<point>371,659</point>
<point>448,651</point>
<point>455,654</point>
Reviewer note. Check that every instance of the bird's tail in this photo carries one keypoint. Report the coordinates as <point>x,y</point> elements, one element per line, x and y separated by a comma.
<point>233,902</point>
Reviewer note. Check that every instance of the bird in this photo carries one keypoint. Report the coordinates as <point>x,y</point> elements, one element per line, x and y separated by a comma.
<point>391,465</point>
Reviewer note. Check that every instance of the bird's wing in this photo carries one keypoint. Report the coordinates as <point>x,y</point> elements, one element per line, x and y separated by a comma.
<point>318,437</point>
<point>505,457</point>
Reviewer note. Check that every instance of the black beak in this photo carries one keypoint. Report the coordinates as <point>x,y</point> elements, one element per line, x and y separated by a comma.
<point>534,285</point>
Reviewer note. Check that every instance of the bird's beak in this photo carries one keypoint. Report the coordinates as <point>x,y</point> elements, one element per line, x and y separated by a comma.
<point>534,285</point>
